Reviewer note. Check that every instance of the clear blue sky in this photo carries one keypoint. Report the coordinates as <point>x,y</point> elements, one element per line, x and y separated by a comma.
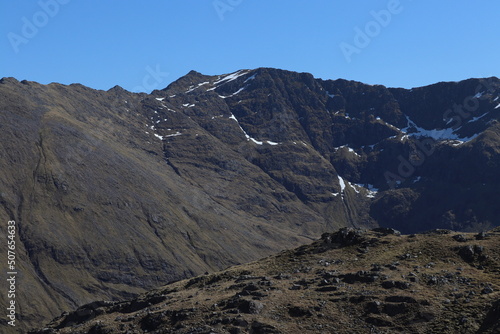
<point>105,43</point>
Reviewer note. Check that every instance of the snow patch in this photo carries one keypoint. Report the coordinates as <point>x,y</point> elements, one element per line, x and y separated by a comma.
<point>160,98</point>
<point>234,118</point>
<point>231,77</point>
<point>158,136</point>
<point>235,93</point>
<point>173,135</point>
<point>199,85</point>
<point>436,134</point>
<point>250,78</point>
<point>348,148</point>
<point>342,183</point>
<point>478,117</point>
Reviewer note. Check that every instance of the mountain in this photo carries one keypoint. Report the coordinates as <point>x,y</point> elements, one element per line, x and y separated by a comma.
<point>350,281</point>
<point>115,193</point>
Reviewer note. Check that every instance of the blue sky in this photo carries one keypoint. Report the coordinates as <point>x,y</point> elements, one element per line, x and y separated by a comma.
<point>148,44</point>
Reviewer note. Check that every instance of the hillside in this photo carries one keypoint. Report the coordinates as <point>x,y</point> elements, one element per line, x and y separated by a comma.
<point>115,193</point>
<point>350,281</point>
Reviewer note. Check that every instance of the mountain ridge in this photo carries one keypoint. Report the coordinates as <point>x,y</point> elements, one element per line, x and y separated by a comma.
<point>118,192</point>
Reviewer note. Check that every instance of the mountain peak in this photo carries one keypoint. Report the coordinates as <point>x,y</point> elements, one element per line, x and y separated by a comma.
<point>130,191</point>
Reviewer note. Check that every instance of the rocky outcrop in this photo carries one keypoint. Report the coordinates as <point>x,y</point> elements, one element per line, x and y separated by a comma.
<point>431,289</point>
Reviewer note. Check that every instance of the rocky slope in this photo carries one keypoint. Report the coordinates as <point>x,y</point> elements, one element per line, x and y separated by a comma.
<point>115,192</point>
<point>351,281</point>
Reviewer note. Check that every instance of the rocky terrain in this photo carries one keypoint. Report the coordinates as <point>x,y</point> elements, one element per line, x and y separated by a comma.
<point>115,193</point>
<point>350,281</point>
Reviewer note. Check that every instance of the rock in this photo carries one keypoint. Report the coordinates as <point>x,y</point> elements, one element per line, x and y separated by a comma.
<point>394,309</point>
<point>401,299</point>
<point>344,237</point>
<point>361,276</point>
<point>373,307</point>
<point>327,289</point>
<point>261,328</point>
<point>395,284</point>
<point>387,231</point>
<point>487,290</point>
<point>297,311</point>
<point>459,238</point>
<point>240,322</point>
<point>255,307</point>
<point>379,321</point>
<point>438,231</point>
<point>481,236</point>
<point>491,322</point>
<point>471,253</point>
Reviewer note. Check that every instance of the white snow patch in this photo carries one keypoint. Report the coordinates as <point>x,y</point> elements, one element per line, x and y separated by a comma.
<point>174,135</point>
<point>231,77</point>
<point>199,85</point>
<point>371,191</point>
<point>330,95</point>
<point>436,134</point>
<point>234,118</point>
<point>354,186</point>
<point>496,98</point>
<point>478,117</point>
<point>272,143</point>
<point>250,78</point>
<point>335,194</point>
<point>158,136</point>
<point>235,93</point>
<point>478,95</point>
<point>342,183</point>
<point>417,179</point>
<point>498,106</point>
<point>160,98</point>
<point>348,148</point>
<point>256,141</point>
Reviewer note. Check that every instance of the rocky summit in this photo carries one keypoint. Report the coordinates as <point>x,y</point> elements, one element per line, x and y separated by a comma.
<point>115,193</point>
<point>350,281</point>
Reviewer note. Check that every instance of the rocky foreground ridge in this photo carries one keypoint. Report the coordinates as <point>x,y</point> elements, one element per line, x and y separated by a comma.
<point>115,193</point>
<point>350,281</point>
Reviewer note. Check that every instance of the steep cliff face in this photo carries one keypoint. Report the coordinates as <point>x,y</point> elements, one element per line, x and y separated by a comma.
<point>116,192</point>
